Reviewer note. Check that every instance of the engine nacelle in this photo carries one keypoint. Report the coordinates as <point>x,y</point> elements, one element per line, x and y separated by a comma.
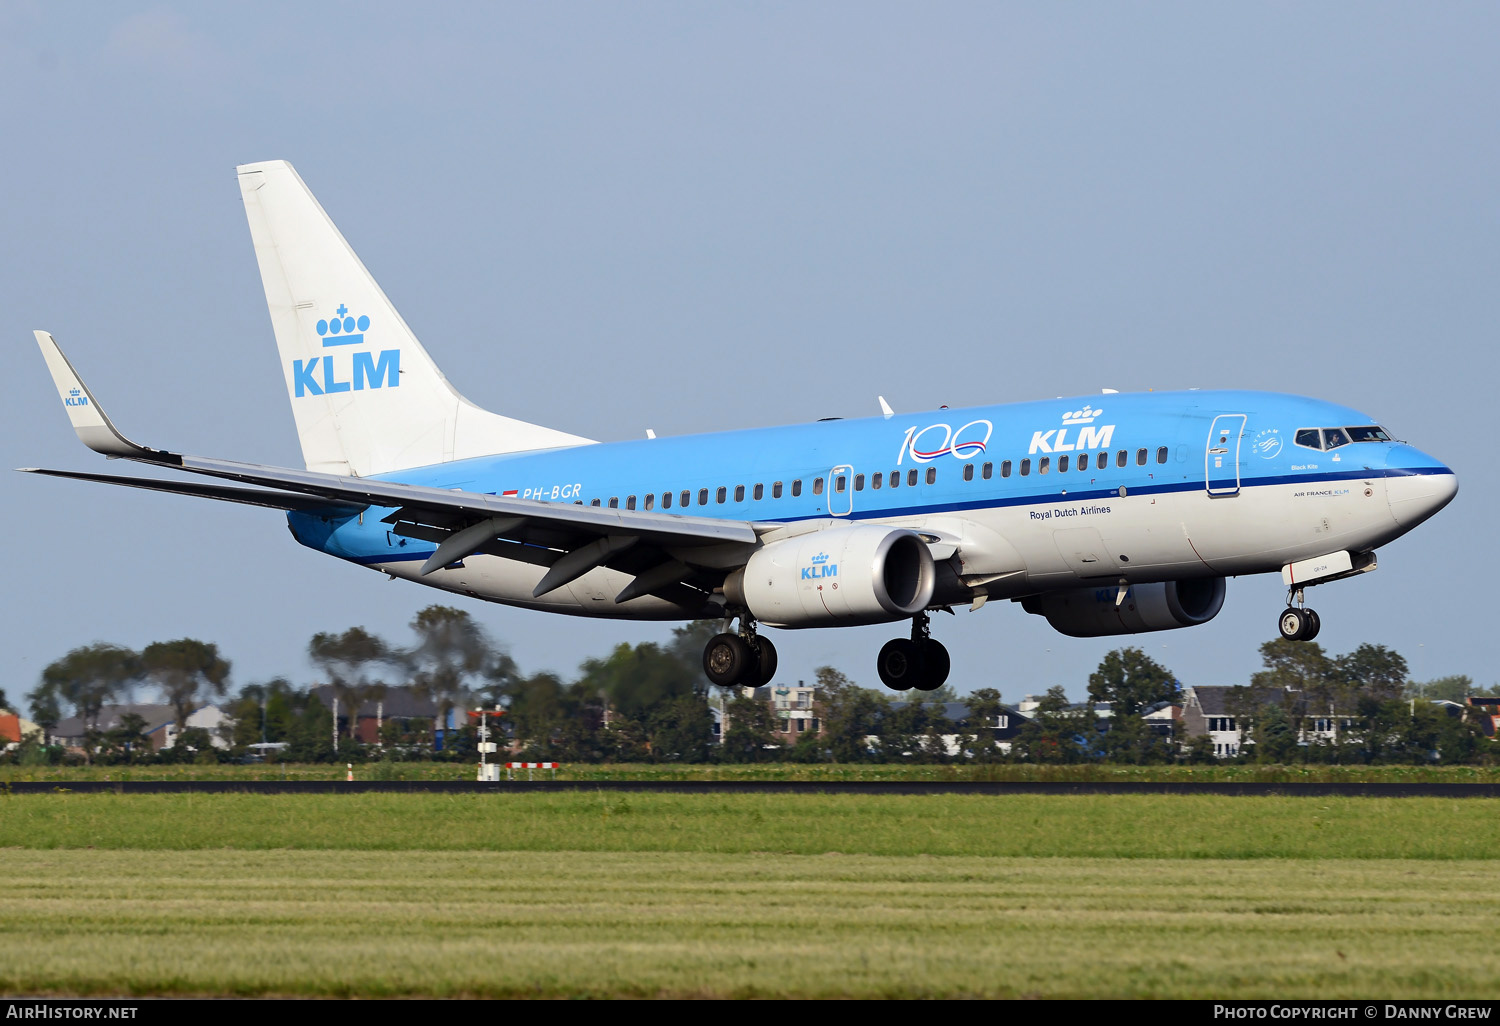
<point>1092,613</point>
<point>839,577</point>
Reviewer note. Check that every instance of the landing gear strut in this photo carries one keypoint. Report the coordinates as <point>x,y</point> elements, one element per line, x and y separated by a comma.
<point>1298,623</point>
<point>919,663</point>
<point>739,660</point>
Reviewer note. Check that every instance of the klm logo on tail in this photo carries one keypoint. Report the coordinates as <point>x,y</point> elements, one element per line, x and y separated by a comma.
<point>332,372</point>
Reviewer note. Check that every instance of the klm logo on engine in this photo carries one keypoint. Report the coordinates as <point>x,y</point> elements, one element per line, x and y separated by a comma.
<point>75,397</point>
<point>1089,436</point>
<point>341,371</point>
<point>820,568</point>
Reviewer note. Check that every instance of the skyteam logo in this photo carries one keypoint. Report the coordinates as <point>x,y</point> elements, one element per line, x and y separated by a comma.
<point>75,397</point>
<point>334,372</point>
<point>1089,436</point>
<point>820,568</point>
<point>1267,444</point>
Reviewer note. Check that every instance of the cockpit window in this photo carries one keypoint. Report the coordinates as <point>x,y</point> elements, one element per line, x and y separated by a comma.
<point>1369,433</point>
<point>1310,437</point>
<point>1334,437</point>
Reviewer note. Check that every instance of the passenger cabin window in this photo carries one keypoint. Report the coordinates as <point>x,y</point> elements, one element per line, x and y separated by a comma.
<point>817,486</point>
<point>1161,454</point>
<point>593,502</point>
<point>1025,468</point>
<point>1044,464</point>
<point>1120,458</point>
<point>1140,457</point>
<point>685,499</point>
<point>651,500</point>
<point>895,479</point>
<point>796,487</point>
<point>932,475</point>
<point>720,494</point>
<point>876,480</point>
<point>776,490</point>
<point>968,471</point>
<point>666,500</point>
<point>987,471</point>
<point>1062,464</point>
<point>703,496</point>
<point>739,493</point>
<point>859,482</point>
<point>1334,437</point>
<point>614,502</point>
<point>1311,438</point>
<point>1083,462</point>
<point>630,502</point>
<point>1005,469</point>
<point>911,478</point>
<point>760,491</point>
<point>1103,461</point>
<point>840,484</point>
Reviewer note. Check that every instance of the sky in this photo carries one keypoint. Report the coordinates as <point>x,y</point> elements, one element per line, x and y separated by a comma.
<point>606,218</point>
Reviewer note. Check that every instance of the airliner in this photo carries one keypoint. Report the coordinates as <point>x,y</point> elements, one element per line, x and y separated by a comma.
<point>1107,515</point>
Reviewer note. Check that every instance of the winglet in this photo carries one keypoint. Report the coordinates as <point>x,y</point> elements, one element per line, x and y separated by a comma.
<point>89,419</point>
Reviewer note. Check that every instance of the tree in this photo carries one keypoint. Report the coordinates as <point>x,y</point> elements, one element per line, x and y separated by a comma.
<point>452,653</point>
<point>1453,689</point>
<point>184,669</point>
<point>347,660</point>
<point>128,739</point>
<point>86,678</point>
<point>1373,671</point>
<point>637,681</point>
<point>751,735</point>
<point>681,730</point>
<point>1131,682</point>
<point>851,716</point>
<point>1054,733</point>
<point>985,707</point>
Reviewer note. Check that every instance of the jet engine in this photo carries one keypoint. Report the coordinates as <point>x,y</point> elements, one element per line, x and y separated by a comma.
<point>1093,613</point>
<point>838,577</point>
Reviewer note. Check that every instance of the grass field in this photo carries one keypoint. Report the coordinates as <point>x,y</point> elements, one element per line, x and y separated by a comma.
<point>578,894</point>
<point>812,773</point>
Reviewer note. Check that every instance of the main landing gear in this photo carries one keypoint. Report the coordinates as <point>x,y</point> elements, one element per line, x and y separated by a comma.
<point>740,660</point>
<point>919,663</point>
<point>1298,623</point>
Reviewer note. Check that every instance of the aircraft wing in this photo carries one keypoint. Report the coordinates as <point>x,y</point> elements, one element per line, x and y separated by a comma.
<point>572,539</point>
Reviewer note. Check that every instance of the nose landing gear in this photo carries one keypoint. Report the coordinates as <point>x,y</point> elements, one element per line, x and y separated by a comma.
<point>1298,623</point>
<point>920,662</point>
<point>739,660</point>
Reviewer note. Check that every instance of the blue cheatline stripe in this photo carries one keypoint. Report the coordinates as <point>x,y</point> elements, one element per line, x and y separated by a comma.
<point>1093,494</point>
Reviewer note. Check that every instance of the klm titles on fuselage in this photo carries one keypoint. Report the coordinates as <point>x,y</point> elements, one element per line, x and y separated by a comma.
<point>325,375</point>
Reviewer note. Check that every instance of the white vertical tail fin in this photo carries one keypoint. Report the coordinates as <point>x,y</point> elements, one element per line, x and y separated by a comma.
<point>367,397</point>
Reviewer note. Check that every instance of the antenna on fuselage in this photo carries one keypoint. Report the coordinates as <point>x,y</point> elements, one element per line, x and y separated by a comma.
<point>885,408</point>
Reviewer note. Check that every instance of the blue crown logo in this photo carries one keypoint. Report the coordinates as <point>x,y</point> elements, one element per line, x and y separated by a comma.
<point>343,330</point>
<point>820,558</point>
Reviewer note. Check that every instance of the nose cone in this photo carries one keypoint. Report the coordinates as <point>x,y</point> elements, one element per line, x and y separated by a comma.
<point>1416,485</point>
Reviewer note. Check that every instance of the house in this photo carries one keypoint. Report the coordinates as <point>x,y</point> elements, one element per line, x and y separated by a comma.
<point>160,728</point>
<point>1205,710</point>
<point>1486,711</point>
<point>402,705</point>
<point>1003,728</point>
<point>794,708</point>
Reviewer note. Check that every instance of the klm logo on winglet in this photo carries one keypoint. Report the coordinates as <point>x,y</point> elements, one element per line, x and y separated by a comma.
<point>820,568</point>
<point>75,397</point>
<point>332,372</point>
